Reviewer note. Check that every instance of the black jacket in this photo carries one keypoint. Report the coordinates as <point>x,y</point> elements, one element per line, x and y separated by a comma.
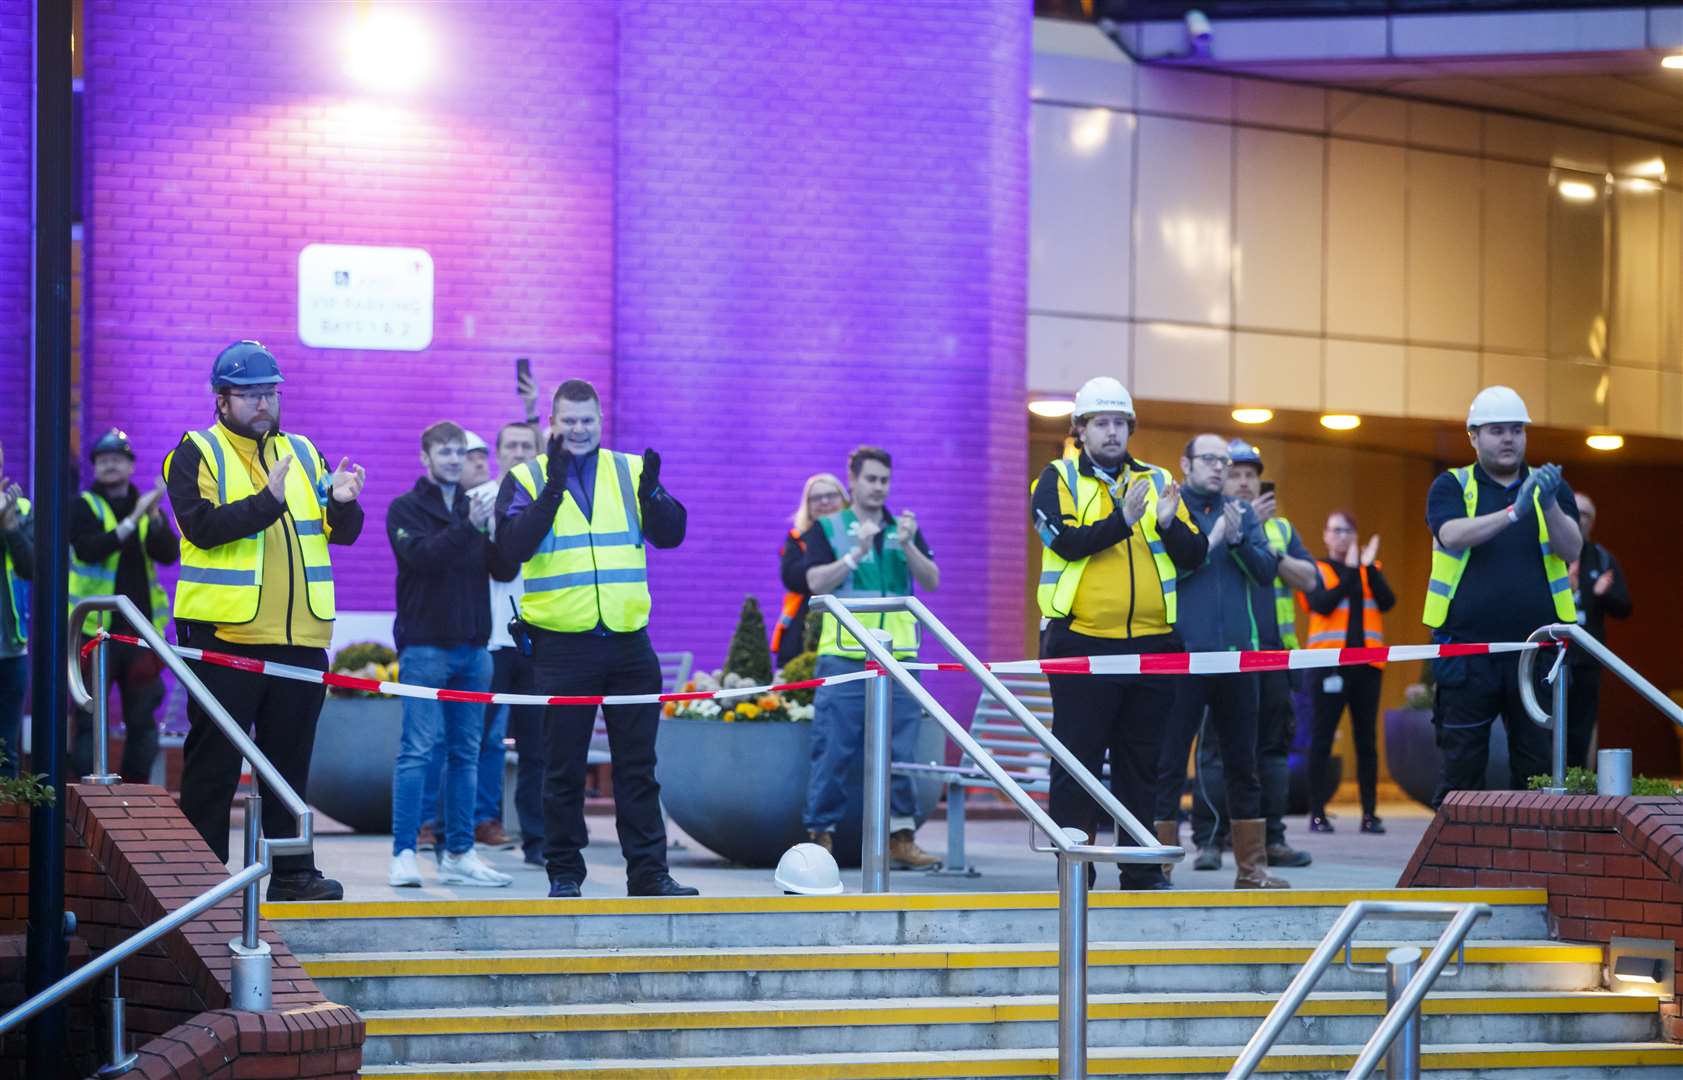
<point>1593,610</point>
<point>443,593</point>
<point>93,543</point>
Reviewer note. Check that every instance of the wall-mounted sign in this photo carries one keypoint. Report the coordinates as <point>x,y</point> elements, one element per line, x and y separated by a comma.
<point>353,296</point>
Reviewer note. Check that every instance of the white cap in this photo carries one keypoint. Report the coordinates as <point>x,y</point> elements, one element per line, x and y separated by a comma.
<point>474,442</point>
<point>1497,405</point>
<point>1103,394</point>
<point>809,870</point>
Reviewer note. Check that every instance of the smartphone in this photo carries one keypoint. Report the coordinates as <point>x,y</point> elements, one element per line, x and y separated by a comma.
<point>1268,487</point>
<point>522,372</point>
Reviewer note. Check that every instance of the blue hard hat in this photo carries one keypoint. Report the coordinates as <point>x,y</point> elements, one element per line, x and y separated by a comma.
<point>1243,453</point>
<point>114,441</point>
<point>245,363</point>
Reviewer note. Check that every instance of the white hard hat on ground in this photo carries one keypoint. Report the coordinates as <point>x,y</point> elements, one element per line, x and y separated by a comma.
<point>1103,394</point>
<point>809,870</point>
<point>1497,405</point>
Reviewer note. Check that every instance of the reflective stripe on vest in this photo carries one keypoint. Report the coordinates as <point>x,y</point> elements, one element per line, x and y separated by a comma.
<point>100,579</point>
<point>586,573</point>
<point>1448,566</point>
<point>1279,532</point>
<point>882,572</point>
<point>1060,579</point>
<point>222,584</point>
<point>1333,631</point>
<point>17,588</point>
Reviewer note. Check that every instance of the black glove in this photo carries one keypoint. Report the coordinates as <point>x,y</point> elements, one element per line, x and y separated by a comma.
<point>560,461</point>
<point>1523,497</point>
<point>651,474</point>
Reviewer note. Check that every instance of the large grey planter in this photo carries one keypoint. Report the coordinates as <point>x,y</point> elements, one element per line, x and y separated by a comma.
<point>351,772</point>
<point>738,789</point>
<point>1411,754</point>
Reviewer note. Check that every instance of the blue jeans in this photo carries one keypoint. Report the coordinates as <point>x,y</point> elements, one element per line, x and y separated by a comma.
<point>14,683</point>
<point>427,724</point>
<point>488,794</point>
<point>838,739</point>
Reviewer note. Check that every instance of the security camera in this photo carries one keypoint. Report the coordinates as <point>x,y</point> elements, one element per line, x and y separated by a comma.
<point>1198,32</point>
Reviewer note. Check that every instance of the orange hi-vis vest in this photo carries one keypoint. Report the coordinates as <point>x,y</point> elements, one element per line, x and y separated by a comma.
<point>1330,631</point>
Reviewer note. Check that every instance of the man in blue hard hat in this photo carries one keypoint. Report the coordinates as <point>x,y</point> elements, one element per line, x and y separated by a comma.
<point>258,508</point>
<point>118,539</point>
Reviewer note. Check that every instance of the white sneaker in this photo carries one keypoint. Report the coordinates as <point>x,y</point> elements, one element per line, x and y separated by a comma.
<point>469,869</point>
<point>404,872</point>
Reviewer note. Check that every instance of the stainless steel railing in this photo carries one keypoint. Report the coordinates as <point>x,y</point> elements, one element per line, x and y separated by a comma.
<point>1399,1031</point>
<point>1072,847</point>
<point>251,975</point>
<point>1555,722</point>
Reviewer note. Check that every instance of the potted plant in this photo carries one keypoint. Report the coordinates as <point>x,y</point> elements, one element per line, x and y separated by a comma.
<point>356,743</point>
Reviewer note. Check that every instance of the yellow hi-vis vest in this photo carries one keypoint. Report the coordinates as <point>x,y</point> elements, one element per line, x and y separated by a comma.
<point>100,579</point>
<point>1279,530</point>
<point>878,575</point>
<point>1059,579</point>
<point>1448,566</point>
<point>221,585</point>
<point>595,571</point>
<point>18,588</point>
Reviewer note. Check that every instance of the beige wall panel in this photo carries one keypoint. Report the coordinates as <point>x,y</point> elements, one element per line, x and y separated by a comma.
<point>1278,212</point>
<point>1527,375</point>
<point>1365,237</point>
<point>1518,138</point>
<point>1182,363</point>
<point>1065,352</point>
<point>1277,370</point>
<point>1443,242</point>
<point>1078,261</point>
<point>1362,377</point>
<point>1367,116</point>
<point>1671,404</point>
<point>1577,394</point>
<point>1443,127</point>
<point>1633,401</point>
<point>1278,104</point>
<point>1515,256</point>
<point>1635,331</point>
<point>1183,238</point>
<point>1441,382</point>
<point>1580,148</point>
<point>1671,281</point>
<point>1185,93</point>
<point>1638,157</point>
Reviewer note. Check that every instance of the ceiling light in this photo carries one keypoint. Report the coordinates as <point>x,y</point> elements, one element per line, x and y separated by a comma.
<point>1341,421</point>
<point>1651,167</point>
<point>1052,407</point>
<point>1672,62</point>
<point>1645,186</point>
<point>1253,416</point>
<point>388,50</point>
<point>1605,442</point>
<point>1576,191</point>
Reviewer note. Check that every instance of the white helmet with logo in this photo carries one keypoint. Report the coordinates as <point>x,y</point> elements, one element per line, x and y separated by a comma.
<point>1103,394</point>
<point>809,870</point>
<point>1497,405</point>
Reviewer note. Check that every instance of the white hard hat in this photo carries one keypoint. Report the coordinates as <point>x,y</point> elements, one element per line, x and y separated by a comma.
<point>809,870</point>
<point>473,442</point>
<point>1103,394</point>
<point>1497,405</point>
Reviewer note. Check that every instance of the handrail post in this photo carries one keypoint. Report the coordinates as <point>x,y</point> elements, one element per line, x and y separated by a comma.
<point>250,980</point>
<point>879,714</point>
<point>1403,1060</point>
<point>1072,962</point>
<point>101,717</point>
<point>119,1060</point>
<point>1562,678</point>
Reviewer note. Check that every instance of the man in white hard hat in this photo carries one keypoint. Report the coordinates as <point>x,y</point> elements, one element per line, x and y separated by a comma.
<point>1504,536</point>
<point>1115,538</point>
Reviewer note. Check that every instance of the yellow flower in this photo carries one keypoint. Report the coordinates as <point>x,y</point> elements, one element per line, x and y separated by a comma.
<point>729,717</point>
<point>747,710</point>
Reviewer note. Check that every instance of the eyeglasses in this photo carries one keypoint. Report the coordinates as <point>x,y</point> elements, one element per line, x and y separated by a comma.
<point>1341,530</point>
<point>254,396</point>
<point>1214,461</point>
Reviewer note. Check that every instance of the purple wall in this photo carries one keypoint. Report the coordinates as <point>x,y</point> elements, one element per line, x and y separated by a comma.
<point>17,106</point>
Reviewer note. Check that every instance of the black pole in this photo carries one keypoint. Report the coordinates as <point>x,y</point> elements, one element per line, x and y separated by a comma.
<point>49,587</point>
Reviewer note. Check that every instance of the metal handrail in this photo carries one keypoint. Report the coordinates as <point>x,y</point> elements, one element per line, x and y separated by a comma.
<point>1579,638</point>
<point>1071,846</point>
<point>250,978</point>
<point>1461,919</point>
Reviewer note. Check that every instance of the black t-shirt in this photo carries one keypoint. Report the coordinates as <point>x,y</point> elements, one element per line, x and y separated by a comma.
<point>1504,593</point>
<point>820,553</point>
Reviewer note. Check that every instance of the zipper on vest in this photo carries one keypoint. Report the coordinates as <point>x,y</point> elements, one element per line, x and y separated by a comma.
<point>286,531</point>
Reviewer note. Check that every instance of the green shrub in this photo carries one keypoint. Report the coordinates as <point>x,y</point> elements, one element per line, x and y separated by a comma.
<point>750,654</point>
<point>1581,781</point>
<point>800,668</point>
<point>26,788</point>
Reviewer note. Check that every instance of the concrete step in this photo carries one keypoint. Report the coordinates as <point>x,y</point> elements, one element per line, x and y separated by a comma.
<point>414,980</point>
<point>945,1025</point>
<point>893,919</point>
<point>1469,1061</point>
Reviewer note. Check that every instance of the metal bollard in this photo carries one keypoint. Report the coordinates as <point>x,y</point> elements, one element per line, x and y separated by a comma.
<point>251,976</point>
<point>1402,1061</point>
<point>1612,772</point>
<point>101,719</point>
<point>879,715</point>
<point>1562,677</point>
<point>120,1060</point>
<point>1072,963</point>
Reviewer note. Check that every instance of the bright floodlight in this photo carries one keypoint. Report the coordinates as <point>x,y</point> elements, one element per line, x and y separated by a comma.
<point>388,50</point>
<point>1576,191</point>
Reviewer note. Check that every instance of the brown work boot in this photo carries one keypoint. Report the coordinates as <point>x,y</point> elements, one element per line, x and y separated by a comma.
<point>822,839</point>
<point>1168,834</point>
<point>490,834</point>
<point>904,854</point>
<point>1250,851</point>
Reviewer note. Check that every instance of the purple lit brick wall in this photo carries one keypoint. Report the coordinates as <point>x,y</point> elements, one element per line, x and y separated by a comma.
<point>17,38</point>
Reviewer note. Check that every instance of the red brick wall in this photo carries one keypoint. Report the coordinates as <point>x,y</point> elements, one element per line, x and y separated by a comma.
<point>1612,866</point>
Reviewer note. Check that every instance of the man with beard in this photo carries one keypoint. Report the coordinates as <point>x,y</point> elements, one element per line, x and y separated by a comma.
<point>1504,538</point>
<point>1116,537</point>
<point>257,508</point>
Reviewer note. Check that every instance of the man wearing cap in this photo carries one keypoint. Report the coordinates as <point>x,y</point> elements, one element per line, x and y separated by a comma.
<point>1504,538</point>
<point>258,508</point>
<point>1115,537</point>
<point>17,567</point>
<point>118,538</point>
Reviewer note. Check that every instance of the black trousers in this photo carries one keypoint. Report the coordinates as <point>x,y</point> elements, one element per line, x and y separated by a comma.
<point>586,665</point>
<point>512,673</point>
<point>1355,687</point>
<point>1276,727</point>
<point>1122,717</point>
<point>1583,704</point>
<point>136,674</point>
<point>1230,704</point>
<point>1472,692</point>
<point>280,715</point>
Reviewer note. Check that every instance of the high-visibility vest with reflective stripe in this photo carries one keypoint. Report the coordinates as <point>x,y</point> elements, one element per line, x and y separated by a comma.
<point>1279,531</point>
<point>1059,579</point>
<point>100,579</point>
<point>1448,566</point>
<point>18,589</point>
<point>880,573</point>
<point>589,572</point>
<point>222,584</point>
<point>1332,631</point>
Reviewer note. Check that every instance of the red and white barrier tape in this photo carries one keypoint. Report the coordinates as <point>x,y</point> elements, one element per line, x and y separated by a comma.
<point>1203,663</point>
